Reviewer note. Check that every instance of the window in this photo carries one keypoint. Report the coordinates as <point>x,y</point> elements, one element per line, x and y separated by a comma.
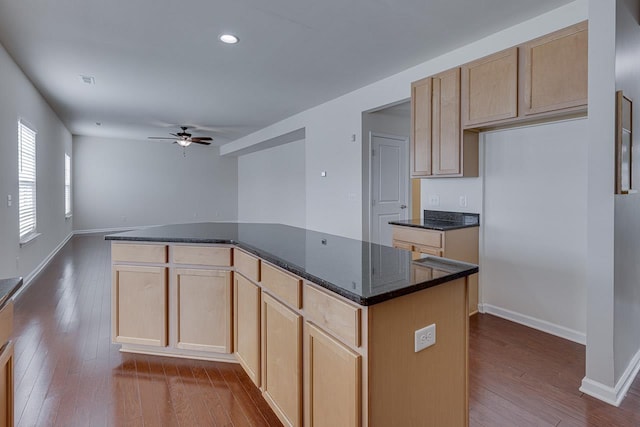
<point>27,181</point>
<point>67,186</point>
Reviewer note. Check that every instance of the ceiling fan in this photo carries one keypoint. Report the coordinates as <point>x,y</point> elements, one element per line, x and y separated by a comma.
<point>184,139</point>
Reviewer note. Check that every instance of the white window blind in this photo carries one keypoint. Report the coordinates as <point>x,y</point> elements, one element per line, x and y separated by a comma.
<point>67,185</point>
<point>27,179</point>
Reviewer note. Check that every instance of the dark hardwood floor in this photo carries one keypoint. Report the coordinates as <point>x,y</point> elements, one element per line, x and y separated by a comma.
<point>67,373</point>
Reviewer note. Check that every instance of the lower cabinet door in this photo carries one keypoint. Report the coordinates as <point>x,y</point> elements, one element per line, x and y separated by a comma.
<point>282,360</point>
<point>246,335</point>
<point>139,305</point>
<point>332,381</point>
<point>6,385</point>
<point>203,299</point>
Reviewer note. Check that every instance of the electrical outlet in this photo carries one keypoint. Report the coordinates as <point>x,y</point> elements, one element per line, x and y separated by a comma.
<point>434,200</point>
<point>463,201</point>
<point>425,337</point>
<point>9,201</point>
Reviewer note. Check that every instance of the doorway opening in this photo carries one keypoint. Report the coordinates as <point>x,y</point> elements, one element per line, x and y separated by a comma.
<point>386,187</point>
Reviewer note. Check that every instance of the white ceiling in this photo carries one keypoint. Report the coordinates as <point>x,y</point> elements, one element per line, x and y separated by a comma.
<point>158,63</point>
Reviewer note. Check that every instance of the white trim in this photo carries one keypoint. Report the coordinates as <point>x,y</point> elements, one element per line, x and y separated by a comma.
<point>613,395</point>
<point>29,279</point>
<point>29,238</point>
<point>532,322</point>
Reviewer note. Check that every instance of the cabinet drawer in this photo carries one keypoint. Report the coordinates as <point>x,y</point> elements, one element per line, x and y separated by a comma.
<point>283,285</point>
<point>428,250</point>
<point>333,315</point>
<point>247,265</point>
<point>127,252</point>
<point>402,245</point>
<point>418,236</point>
<point>202,255</point>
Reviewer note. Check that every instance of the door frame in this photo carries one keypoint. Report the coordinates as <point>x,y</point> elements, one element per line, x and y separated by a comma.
<point>368,211</point>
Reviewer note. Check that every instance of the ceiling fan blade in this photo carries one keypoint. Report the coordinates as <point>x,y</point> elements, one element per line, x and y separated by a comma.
<point>200,142</point>
<point>201,138</point>
<point>159,137</point>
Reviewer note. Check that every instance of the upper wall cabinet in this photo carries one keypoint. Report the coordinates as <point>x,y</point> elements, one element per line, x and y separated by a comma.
<point>539,80</point>
<point>438,145</point>
<point>490,89</point>
<point>421,127</point>
<point>554,71</point>
<point>445,130</point>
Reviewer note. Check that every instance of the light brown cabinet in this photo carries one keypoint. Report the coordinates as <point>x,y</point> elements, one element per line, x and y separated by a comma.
<point>554,71</point>
<point>439,147</point>
<point>461,244</point>
<point>445,132</point>
<point>490,89</point>
<point>542,79</point>
<point>332,385</point>
<point>6,385</point>
<point>421,127</point>
<point>139,305</point>
<point>247,326</point>
<point>282,360</point>
<point>6,365</point>
<point>203,310</point>
<point>318,358</point>
<point>173,299</point>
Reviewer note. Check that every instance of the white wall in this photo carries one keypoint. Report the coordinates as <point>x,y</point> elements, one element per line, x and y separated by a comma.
<point>449,191</point>
<point>271,185</point>
<point>627,207</point>
<point>121,183</point>
<point>20,99</point>
<point>334,204</point>
<point>533,256</point>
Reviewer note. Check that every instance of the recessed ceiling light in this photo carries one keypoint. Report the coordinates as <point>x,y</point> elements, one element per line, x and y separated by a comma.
<point>90,80</point>
<point>228,38</point>
<point>98,124</point>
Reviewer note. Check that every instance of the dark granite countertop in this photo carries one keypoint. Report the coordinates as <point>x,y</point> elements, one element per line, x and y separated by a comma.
<point>442,221</point>
<point>363,272</point>
<point>8,287</point>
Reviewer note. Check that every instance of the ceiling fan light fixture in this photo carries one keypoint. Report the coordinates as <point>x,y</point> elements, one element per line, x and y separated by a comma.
<point>228,38</point>
<point>183,142</point>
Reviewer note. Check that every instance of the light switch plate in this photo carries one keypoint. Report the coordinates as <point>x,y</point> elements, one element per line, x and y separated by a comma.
<point>425,337</point>
<point>434,200</point>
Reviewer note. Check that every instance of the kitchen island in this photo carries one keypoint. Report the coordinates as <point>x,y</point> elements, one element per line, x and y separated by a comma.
<point>327,327</point>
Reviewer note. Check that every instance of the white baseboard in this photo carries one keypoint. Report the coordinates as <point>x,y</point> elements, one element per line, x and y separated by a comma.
<point>532,322</point>
<point>613,395</point>
<point>29,279</point>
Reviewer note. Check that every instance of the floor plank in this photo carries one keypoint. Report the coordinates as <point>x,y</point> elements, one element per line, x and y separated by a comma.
<point>67,372</point>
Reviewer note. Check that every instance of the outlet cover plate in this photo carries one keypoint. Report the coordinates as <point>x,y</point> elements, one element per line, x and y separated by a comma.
<point>425,337</point>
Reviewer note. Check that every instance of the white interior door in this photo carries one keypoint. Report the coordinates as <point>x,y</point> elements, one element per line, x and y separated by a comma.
<point>389,184</point>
